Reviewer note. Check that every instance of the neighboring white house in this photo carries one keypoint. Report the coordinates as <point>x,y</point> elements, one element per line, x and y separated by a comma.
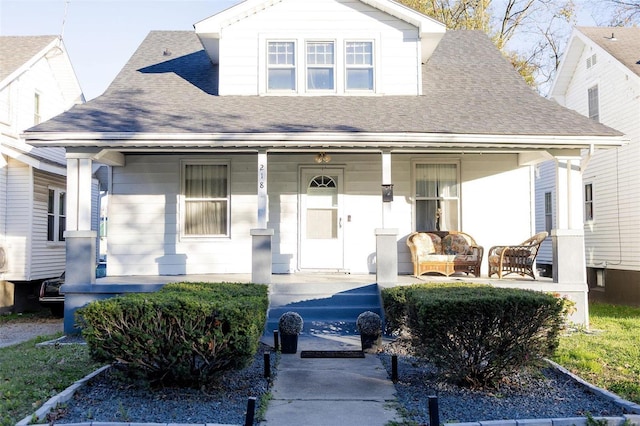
<point>264,141</point>
<point>37,82</point>
<point>599,77</point>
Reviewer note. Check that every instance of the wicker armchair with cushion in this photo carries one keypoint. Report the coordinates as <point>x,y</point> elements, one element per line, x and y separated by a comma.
<point>445,253</point>
<point>520,259</point>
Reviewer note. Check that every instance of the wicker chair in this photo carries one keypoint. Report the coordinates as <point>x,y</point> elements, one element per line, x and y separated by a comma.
<point>520,259</point>
<point>444,252</point>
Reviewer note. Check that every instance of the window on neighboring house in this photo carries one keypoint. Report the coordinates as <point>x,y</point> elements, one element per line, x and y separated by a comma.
<point>591,61</point>
<point>206,198</point>
<point>594,108</point>
<point>359,65</point>
<point>320,65</point>
<point>281,65</point>
<point>36,108</point>
<point>436,197</point>
<point>56,215</point>
<point>548,212</point>
<point>588,201</point>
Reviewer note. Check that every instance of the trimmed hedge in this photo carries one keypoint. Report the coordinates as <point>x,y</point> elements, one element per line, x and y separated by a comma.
<point>476,334</point>
<point>186,333</point>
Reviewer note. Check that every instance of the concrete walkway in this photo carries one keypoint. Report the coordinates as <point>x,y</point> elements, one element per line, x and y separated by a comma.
<point>336,391</point>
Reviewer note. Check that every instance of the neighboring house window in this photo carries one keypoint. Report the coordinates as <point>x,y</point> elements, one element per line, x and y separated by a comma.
<point>36,108</point>
<point>548,212</point>
<point>56,215</point>
<point>359,65</point>
<point>594,109</point>
<point>436,197</point>
<point>206,196</point>
<point>320,65</point>
<point>588,201</point>
<point>281,65</point>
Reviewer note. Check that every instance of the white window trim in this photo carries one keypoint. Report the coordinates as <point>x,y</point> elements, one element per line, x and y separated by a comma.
<point>296,65</point>
<point>374,65</point>
<point>301,69</point>
<point>416,162</point>
<point>307,66</point>
<point>591,202</point>
<point>37,108</point>
<point>182,200</point>
<point>589,88</point>
<point>56,215</point>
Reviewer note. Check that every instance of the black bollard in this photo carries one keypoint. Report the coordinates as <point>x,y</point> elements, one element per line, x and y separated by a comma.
<point>394,368</point>
<point>267,365</point>
<point>251,412</point>
<point>434,412</point>
<point>276,341</point>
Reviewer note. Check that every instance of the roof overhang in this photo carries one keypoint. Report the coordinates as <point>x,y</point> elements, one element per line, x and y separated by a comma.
<point>36,163</point>
<point>406,142</point>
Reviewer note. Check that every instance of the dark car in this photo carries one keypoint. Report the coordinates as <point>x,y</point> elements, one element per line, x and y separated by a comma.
<point>50,295</point>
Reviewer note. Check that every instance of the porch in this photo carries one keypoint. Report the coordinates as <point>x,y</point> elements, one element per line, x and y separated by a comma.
<point>329,301</point>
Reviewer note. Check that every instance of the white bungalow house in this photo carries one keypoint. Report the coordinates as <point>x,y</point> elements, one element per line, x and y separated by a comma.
<point>288,136</point>
<point>599,77</point>
<point>37,82</point>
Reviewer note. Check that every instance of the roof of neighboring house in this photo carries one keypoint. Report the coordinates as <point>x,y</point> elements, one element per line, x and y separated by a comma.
<point>620,42</point>
<point>468,88</point>
<point>16,51</point>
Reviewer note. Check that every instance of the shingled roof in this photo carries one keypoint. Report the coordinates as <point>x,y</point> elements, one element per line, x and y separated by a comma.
<point>15,51</point>
<point>169,87</point>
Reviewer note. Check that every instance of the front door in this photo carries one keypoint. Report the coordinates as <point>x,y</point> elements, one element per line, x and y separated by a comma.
<point>321,231</point>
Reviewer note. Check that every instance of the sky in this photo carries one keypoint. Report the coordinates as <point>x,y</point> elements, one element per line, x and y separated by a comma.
<point>101,35</point>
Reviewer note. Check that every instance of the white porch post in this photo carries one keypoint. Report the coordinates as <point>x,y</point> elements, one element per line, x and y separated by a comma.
<point>80,240</point>
<point>569,265</point>
<point>386,238</point>
<point>261,250</point>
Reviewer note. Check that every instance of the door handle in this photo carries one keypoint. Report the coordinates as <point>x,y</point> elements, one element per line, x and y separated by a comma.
<point>340,223</point>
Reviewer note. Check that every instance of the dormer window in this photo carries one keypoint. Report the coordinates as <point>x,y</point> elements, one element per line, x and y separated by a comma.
<point>359,65</point>
<point>320,65</point>
<point>281,65</point>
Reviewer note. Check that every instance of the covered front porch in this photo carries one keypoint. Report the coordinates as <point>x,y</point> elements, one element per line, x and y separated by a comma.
<point>300,290</point>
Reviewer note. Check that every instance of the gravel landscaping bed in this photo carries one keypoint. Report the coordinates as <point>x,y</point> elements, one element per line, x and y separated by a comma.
<point>107,399</point>
<point>526,395</point>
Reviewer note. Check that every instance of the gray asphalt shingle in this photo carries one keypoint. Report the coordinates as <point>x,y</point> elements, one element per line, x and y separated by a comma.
<point>15,51</point>
<point>625,47</point>
<point>468,88</point>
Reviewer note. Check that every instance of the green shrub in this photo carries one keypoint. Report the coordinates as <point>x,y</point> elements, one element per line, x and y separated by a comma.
<point>186,333</point>
<point>394,301</point>
<point>477,334</point>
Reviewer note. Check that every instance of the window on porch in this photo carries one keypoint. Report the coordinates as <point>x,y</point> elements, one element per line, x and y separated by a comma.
<point>436,197</point>
<point>206,199</point>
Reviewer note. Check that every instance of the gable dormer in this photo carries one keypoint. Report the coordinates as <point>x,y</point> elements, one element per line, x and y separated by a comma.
<point>320,47</point>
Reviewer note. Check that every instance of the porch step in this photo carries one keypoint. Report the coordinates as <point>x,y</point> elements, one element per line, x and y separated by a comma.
<point>326,308</point>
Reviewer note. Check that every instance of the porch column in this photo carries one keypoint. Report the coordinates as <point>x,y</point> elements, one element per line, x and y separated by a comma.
<point>80,240</point>
<point>386,238</point>
<point>569,264</point>
<point>261,238</point>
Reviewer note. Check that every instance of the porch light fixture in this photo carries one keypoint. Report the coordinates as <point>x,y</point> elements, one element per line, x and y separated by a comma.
<point>321,157</point>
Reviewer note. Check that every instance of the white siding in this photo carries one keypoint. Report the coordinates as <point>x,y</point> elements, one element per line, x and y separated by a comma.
<point>144,211</point>
<point>613,237</point>
<point>18,232</point>
<point>243,44</point>
<point>545,182</point>
<point>47,258</point>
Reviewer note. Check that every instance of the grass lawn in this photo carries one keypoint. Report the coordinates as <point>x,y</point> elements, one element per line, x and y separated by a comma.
<point>607,356</point>
<point>29,376</point>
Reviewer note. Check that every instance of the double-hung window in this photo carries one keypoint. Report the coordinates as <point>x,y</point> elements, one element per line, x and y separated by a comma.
<point>320,65</point>
<point>36,108</point>
<point>594,103</point>
<point>548,212</point>
<point>436,197</point>
<point>56,215</point>
<point>206,199</point>
<point>588,202</point>
<point>281,63</point>
<point>359,65</point>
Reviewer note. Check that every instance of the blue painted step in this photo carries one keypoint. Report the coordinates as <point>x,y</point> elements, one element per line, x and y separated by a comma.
<point>326,308</point>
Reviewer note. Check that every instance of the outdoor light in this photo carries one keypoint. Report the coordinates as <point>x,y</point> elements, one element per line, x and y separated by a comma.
<point>321,157</point>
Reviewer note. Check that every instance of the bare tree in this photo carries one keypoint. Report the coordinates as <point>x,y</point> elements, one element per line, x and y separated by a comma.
<point>622,13</point>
